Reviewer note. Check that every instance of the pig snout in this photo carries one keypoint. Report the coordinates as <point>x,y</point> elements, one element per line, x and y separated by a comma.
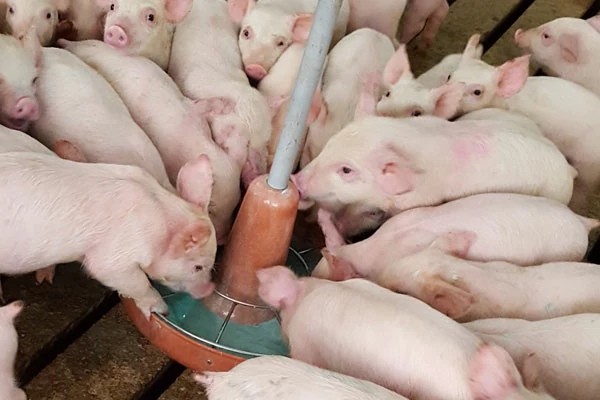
<point>116,37</point>
<point>256,71</point>
<point>202,290</point>
<point>299,181</point>
<point>26,108</point>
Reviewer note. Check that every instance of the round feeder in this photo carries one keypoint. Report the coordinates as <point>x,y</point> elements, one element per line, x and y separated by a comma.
<point>232,325</point>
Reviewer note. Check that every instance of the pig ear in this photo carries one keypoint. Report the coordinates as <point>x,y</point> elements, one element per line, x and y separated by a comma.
<point>195,182</point>
<point>339,270</point>
<point>62,5</point>
<point>193,237</point>
<point>367,102</point>
<point>68,151</point>
<point>177,10</point>
<point>512,76</point>
<point>278,286</point>
<point>569,47</point>
<point>397,67</point>
<point>448,99</point>
<point>531,374</point>
<point>595,22</point>
<point>13,309</point>
<point>493,374</point>
<point>471,49</point>
<point>447,298</point>
<point>392,171</point>
<point>478,52</point>
<point>456,243</point>
<point>315,107</point>
<point>31,42</point>
<point>238,9</point>
<point>301,24</point>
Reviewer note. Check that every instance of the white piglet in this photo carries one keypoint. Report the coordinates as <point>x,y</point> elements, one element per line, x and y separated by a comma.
<point>269,27</point>
<point>177,126</point>
<point>41,16</point>
<point>144,28</point>
<point>351,86</point>
<point>377,166</point>
<point>206,63</point>
<point>282,378</point>
<point>9,342</point>
<point>566,47</point>
<point>360,329</point>
<point>115,219</point>
<point>565,112</point>
<point>565,351</point>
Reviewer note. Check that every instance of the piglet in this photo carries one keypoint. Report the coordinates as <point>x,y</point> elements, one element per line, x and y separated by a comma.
<point>566,47</point>
<point>335,325</point>
<point>376,167</point>
<point>9,341</point>
<point>565,112</point>
<point>269,27</point>
<point>282,378</point>
<point>467,290</point>
<point>567,350</point>
<point>406,97</point>
<point>422,17</point>
<point>19,72</point>
<point>78,105</point>
<point>144,28</point>
<point>115,219</point>
<point>177,126</point>
<point>437,75</point>
<point>40,15</point>
<point>205,63</point>
<point>351,86</point>
<point>383,16</point>
<point>519,229</point>
<point>277,86</point>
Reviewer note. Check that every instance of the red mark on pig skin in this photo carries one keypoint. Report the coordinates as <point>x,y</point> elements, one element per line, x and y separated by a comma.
<point>466,149</point>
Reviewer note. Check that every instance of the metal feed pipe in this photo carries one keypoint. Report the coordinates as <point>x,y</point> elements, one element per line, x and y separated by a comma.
<point>309,73</point>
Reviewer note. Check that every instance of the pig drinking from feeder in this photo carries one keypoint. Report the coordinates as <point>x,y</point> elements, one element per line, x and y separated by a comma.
<point>269,27</point>
<point>406,97</point>
<point>9,341</point>
<point>277,87</point>
<point>144,28</point>
<point>102,127</point>
<point>520,229</point>
<point>565,112</point>
<point>341,326</point>
<point>282,378</point>
<point>351,85</point>
<point>177,126</point>
<point>382,16</point>
<point>21,62</point>
<point>467,290</point>
<point>115,219</point>
<point>422,17</point>
<point>567,350</point>
<point>205,63</point>
<point>566,47</point>
<point>376,167</point>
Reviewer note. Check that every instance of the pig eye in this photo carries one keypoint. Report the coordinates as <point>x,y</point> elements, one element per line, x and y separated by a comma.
<point>112,7</point>
<point>199,268</point>
<point>48,16</point>
<point>449,77</point>
<point>11,10</point>
<point>34,80</point>
<point>389,92</point>
<point>150,17</point>
<point>281,43</point>
<point>416,113</point>
<point>246,33</point>
<point>477,92</point>
<point>545,36</point>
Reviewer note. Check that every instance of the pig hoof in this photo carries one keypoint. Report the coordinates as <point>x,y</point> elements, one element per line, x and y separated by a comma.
<point>153,304</point>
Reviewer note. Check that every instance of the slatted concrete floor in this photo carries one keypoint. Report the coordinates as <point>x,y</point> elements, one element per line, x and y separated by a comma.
<point>77,343</point>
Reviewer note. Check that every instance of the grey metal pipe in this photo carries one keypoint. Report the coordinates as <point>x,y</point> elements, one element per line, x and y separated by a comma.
<point>309,73</point>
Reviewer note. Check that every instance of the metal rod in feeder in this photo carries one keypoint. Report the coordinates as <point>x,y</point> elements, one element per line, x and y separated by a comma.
<point>309,74</point>
<point>262,232</point>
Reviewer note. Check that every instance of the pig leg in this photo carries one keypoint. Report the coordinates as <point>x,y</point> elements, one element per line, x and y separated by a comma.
<point>333,238</point>
<point>433,25</point>
<point>45,275</point>
<point>130,281</point>
<point>411,28</point>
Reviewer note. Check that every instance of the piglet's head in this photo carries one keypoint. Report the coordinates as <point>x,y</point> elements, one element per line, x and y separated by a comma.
<point>42,15</point>
<point>19,71</point>
<point>485,83</point>
<point>190,253</point>
<point>135,26</point>
<point>9,312</point>
<point>406,97</point>
<point>265,33</point>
